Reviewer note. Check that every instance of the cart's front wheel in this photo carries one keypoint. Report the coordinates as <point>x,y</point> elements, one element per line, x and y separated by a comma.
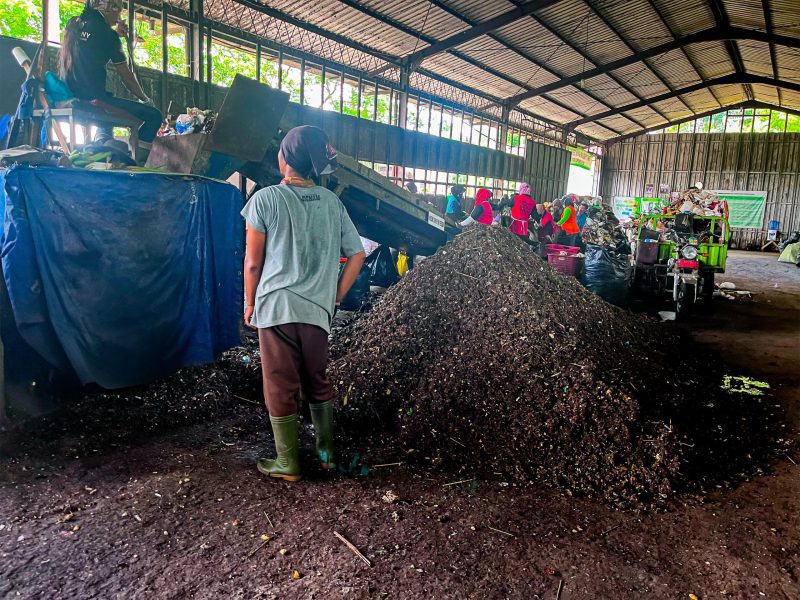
<point>686,295</point>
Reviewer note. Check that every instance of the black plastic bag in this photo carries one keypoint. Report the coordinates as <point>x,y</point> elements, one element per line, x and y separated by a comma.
<point>606,273</point>
<point>793,238</point>
<point>355,297</point>
<point>383,270</point>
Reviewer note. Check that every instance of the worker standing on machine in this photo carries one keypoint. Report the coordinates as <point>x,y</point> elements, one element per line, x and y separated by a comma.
<point>296,232</point>
<point>89,44</point>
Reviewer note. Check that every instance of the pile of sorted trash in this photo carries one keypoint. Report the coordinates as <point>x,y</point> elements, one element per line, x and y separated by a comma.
<point>487,361</point>
<point>194,120</point>
<point>699,202</point>
<point>603,228</point>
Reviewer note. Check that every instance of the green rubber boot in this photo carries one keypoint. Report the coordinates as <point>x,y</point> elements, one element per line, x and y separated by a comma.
<point>287,464</point>
<point>322,418</point>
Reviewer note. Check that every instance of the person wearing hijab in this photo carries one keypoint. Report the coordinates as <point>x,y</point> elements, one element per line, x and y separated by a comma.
<point>521,210</point>
<point>89,44</point>
<point>482,212</point>
<point>569,224</point>
<point>547,225</point>
<point>582,215</point>
<point>454,208</point>
<point>296,233</point>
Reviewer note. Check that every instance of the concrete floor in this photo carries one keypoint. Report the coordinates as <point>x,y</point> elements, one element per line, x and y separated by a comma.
<point>759,335</point>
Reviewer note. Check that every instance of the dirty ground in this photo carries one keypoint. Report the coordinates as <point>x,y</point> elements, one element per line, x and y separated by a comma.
<point>133,503</point>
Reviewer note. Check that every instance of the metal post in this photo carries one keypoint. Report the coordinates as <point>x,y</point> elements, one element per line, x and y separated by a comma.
<point>503,135</point>
<point>661,159</point>
<point>402,112</point>
<point>360,93</point>
<point>164,59</point>
<point>207,86</point>
<point>375,104</point>
<point>472,129</point>
<point>280,69</point>
<point>131,21</point>
<point>196,48</point>
<point>341,94</point>
<point>302,81</point>
<point>644,165</point>
<point>258,61</point>
<point>430,117</point>
<point>322,87</point>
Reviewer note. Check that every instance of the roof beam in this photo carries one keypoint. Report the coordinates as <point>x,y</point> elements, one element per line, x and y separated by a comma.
<point>624,40</point>
<point>721,18</point>
<point>675,36</point>
<point>475,63</point>
<point>707,35</point>
<point>733,79</point>
<point>773,56</point>
<point>754,104</point>
<point>616,80</point>
<point>281,16</point>
<point>477,30</point>
<point>441,5</point>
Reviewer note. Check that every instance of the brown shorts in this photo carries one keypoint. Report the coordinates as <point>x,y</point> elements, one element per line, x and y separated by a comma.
<point>294,358</point>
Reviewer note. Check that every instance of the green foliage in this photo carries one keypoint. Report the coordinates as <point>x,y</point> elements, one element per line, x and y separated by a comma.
<point>778,122</point>
<point>22,19</point>
<point>226,62</point>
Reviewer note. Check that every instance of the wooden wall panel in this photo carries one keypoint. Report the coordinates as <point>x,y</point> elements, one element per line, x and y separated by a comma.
<point>756,162</point>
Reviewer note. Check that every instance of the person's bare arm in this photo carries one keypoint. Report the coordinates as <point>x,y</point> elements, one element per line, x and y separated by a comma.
<point>130,81</point>
<point>349,274</point>
<point>253,266</point>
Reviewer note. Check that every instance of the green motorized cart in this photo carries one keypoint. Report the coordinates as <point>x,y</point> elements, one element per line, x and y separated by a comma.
<point>679,255</point>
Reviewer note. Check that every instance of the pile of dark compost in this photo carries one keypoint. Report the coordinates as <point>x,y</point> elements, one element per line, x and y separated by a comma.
<point>94,419</point>
<point>487,361</point>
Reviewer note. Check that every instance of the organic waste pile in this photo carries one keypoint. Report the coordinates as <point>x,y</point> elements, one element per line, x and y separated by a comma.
<point>602,228</point>
<point>485,360</point>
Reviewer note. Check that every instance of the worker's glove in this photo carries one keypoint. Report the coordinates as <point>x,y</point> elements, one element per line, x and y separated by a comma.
<point>467,221</point>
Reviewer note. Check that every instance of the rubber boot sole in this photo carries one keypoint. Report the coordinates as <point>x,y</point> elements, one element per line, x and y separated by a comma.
<point>284,476</point>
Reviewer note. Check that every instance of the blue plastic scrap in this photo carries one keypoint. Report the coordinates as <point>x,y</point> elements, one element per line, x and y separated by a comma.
<point>121,278</point>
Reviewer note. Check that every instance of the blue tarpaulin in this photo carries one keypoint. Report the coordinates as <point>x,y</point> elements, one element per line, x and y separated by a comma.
<point>121,278</point>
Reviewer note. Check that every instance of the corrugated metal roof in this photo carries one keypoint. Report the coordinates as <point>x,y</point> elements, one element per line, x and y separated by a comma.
<point>544,47</point>
<point>595,130</point>
<point>686,16</point>
<point>562,40</point>
<point>629,15</point>
<point>579,25</point>
<point>711,58</point>
<point>766,93</point>
<point>756,58</point>
<point>479,10</point>
<point>730,94</point>
<point>746,13</point>
<point>700,101</point>
<point>788,63</point>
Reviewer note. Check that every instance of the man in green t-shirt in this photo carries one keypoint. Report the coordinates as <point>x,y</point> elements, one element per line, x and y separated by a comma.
<point>296,233</point>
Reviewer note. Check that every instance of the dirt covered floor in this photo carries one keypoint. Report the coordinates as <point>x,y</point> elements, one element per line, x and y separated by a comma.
<point>132,500</point>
